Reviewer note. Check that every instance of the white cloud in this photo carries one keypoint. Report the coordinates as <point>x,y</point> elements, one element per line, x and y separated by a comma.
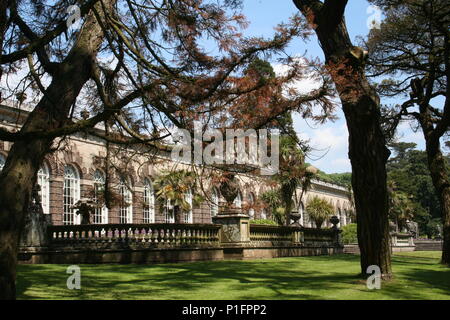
<point>310,81</point>
<point>329,143</point>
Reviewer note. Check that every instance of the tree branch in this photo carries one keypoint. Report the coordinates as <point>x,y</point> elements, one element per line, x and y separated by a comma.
<point>39,42</point>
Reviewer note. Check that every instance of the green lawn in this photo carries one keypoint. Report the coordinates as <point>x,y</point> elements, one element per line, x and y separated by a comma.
<point>417,276</point>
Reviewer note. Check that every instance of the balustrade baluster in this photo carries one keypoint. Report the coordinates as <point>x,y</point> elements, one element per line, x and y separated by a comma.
<point>179,236</point>
<point>167,235</point>
<point>188,236</point>
<point>150,232</point>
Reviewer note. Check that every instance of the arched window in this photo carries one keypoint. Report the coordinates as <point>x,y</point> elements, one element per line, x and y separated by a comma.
<point>126,202</point>
<point>71,194</point>
<point>214,202</point>
<point>188,213</point>
<point>169,215</point>
<point>149,202</point>
<point>251,203</point>
<point>2,161</point>
<point>341,216</point>
<point>346,217</point>
<point>43,180</point>
<point>238,200</point>
<point>100,213</point>
<point>301,211</point>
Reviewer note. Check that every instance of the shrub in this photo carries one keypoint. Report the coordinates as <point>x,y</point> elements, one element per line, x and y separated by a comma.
<point>319,210</point>
<point>349,234</point>
<point>264,221</point>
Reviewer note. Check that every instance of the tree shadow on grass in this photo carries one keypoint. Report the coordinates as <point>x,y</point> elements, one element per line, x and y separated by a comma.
<point>274,279</point>
<point>286,278</point>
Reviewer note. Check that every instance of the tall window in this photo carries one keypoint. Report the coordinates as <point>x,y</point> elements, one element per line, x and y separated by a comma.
<point>43,179</point>
<point>346,217</point>
<point>238,201</point>
<point>301,211</point>
<point>169,215</point>
<point>214,202</point>
<point>71,194</point>
<point>339,215</point>
<point>100,213</point>
<point>149,202</point>
<point>251,203</point>
<point>126,203</point>
<point>2,161</point>
<point>188,213</point>
<point>263,213</point>
<point>307,222</point>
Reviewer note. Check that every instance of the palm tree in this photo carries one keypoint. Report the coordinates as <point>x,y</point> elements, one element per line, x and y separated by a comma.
<point>293,173</point>
<point>319,210</point>
<point>172,187</point>
<point>272,199</point>
<point>401,208</point>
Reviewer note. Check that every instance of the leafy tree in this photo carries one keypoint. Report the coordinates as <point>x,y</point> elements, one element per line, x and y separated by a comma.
<point>411,176</point>
<point>272,200</point>
<point>349,234</point>
<point>411,54</point>
<point>319,210</point>
<point>400,150</point>
<point>344,179</point>
<point>367,144</point>
<point>293,172</point>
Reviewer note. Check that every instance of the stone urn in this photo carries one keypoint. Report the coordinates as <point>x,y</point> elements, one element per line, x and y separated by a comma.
<point>85,208</point>
<point>229,188</point>
<point>295,215</point>
<point>334,221</point>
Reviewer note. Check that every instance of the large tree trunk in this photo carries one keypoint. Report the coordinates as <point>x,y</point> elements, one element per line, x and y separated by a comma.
<point>25,157</point>
<point>439,176</point>
<point>367,147</point>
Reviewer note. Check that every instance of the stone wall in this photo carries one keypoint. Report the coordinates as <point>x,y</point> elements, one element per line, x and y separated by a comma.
<point>428,245</point>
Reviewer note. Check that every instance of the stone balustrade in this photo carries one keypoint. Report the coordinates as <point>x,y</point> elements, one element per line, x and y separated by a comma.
<point>231,237</point>
<point>182,234</point>
<point>321,237</point>
<point>294,235</point>
<point>264,233</point>
<point>152,234</point>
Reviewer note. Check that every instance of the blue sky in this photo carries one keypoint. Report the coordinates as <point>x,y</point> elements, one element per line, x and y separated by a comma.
<point>330,140</point>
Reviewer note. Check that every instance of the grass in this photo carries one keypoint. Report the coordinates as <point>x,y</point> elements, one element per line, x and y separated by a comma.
<point>418,275</point>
